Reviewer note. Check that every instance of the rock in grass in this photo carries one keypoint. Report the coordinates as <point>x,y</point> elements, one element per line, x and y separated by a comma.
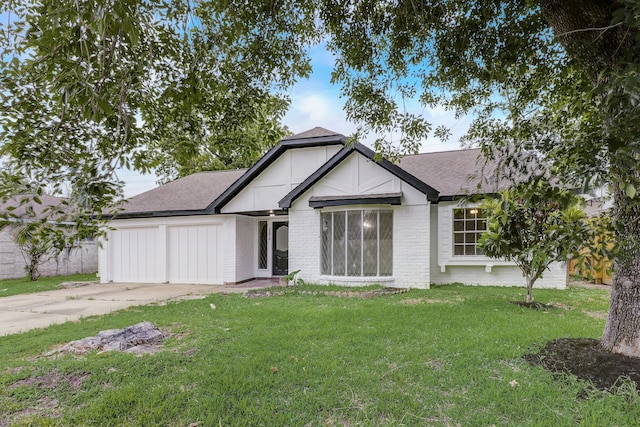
<point>140,338</point>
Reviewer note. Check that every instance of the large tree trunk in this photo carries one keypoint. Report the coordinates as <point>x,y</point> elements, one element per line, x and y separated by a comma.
<point>584,28</point>
<point>622,332</point>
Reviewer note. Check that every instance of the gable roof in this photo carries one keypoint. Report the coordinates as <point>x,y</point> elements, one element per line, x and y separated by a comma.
<point>440,176</point>
<point>315,137</point>
<point>429,191</point>
<point>207,192</point>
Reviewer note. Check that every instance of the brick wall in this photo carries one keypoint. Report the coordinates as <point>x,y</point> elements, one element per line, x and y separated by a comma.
<point>410,252</point>
<point>411,236</point>
<point>304,244</point>
<point>501,275</point>
<point>83,259</point>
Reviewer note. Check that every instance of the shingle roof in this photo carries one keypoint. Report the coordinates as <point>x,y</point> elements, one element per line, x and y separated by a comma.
<point>191,193</point>
<point>316,132</point>
<point>453,173</point>
<point>21,209</point>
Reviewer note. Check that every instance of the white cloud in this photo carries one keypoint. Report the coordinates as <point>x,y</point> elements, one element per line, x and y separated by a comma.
<point>311,108</point>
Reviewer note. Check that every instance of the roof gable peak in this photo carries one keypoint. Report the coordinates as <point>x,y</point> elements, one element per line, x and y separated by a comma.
<point>316,132</point>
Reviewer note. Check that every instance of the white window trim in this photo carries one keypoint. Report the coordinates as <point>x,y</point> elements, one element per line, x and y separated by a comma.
<point>265,272</point>
<point>446,240</point>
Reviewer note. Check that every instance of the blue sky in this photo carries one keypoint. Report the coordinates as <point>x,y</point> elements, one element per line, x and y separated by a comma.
<point>315,102</point>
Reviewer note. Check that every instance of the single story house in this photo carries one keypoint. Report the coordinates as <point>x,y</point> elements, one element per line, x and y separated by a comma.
<point>318,205</point>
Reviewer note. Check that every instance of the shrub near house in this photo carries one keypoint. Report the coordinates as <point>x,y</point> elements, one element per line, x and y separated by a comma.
<point>534,224</point>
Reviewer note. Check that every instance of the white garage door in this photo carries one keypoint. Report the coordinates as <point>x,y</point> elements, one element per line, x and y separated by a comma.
<point>195,254</point>
<point>133,255</point>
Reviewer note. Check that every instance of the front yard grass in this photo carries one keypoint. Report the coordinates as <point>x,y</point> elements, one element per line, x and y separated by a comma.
<point>23,285</point>
<point>446,356</point>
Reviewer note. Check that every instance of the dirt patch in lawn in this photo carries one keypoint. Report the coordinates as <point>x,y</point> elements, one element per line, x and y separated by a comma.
<point>587,360</point>
<point>534,305</point>
<point>46,406</point>
<point>341,294</point>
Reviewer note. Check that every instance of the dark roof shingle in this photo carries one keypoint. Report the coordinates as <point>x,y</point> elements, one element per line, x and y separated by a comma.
<point>453,173</point>
<point>316,132</point>
<point>191,193</point>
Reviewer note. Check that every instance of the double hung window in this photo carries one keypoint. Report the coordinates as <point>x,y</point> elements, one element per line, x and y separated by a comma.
<point>468,226</point>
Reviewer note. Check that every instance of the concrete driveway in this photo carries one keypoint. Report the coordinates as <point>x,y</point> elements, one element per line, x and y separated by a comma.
<point>21,313</point>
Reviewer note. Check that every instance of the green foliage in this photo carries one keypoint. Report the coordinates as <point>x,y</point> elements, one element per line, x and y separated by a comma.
<point>217,367</point>
<point>534,224</point>
<point>221,147</point>
<point>42,227</point>
<point>144,83</point>
<point>291,279</point>
<point>556,79</point>
<point>90,87</point>
<point>597,254</point>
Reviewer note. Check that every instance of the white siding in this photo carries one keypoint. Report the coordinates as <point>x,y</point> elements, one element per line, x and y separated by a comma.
<point>132,255</point>
<point>195,255</point>
<point>245,243</point>
<point>229,255</point>
<point>282,176</point>
<point>176,250</point>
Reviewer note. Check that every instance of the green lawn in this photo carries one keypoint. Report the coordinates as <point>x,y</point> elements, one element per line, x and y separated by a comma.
<point>447,356</point>
<point>10,287</point>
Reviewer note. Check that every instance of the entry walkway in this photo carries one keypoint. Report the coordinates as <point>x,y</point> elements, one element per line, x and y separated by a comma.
<point>21,313</point>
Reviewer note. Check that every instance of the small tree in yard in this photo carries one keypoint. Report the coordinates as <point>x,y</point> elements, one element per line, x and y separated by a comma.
<point>533,225</point>
<point>39,242</point>
<point>42,226</point>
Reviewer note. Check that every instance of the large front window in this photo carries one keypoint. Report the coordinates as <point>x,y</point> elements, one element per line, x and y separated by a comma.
<point>468,226</point>
<point>357,243</point>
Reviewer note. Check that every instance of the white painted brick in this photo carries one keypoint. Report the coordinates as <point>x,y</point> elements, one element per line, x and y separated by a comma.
<point>502,275</point>
<point>410,253</point>
<point>83,259</point>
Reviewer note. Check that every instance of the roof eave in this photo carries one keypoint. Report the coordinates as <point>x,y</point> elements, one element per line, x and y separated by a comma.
<point>159,214</point>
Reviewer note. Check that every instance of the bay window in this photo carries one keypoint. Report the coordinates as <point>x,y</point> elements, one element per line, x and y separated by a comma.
<point>357,243</point>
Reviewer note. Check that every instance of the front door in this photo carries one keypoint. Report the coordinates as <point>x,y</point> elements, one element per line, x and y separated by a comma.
<point>280,248</point>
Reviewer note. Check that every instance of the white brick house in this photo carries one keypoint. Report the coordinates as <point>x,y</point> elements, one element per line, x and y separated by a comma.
<point>316,205</point>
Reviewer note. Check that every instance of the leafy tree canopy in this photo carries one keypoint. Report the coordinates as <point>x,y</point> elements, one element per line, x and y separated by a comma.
<point>556,77</point>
